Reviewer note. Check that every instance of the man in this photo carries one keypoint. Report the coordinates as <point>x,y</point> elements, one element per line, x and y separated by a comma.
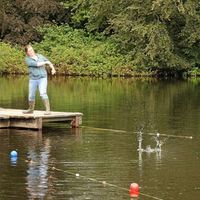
<point>37,78</point>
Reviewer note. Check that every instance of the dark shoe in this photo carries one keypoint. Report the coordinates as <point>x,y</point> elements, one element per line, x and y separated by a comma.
<point>47,106</point>
<point>31,108</point>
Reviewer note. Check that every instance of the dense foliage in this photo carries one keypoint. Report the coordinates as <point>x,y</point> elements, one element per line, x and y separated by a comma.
<point>73,52</point>
<point>161,34</point>
<point>77,52</point>
<point>11,60</point>
<point>152,35</point>
<point>19,19</point>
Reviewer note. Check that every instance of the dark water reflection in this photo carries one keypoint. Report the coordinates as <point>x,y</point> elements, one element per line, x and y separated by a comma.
<point>64,163</point>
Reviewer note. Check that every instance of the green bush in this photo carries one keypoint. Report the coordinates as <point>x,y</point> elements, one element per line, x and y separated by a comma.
<point>11,60</point>
<point>74,51</point>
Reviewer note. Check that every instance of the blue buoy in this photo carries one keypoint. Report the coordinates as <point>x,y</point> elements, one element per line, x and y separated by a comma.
<point>13,154</point>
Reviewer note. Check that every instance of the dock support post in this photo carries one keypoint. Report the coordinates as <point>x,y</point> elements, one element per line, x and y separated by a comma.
<point>76,121</point>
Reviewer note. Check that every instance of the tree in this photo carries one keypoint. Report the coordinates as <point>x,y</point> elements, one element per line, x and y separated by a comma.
<point>20,19</point>
<point>158,34</point>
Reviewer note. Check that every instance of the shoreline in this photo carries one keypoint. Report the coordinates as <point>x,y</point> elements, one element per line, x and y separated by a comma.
<point>110,76</point>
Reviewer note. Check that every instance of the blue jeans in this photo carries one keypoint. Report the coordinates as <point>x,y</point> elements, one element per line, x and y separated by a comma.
<point>41,84</point>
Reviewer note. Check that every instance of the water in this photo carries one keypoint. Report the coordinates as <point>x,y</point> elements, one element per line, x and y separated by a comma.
<point>101,159</point>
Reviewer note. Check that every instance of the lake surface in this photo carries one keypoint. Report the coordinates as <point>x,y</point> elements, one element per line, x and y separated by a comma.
<point>100,160</point>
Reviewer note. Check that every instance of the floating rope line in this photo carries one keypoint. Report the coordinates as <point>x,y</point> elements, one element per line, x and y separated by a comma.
<point>175,136</point>
<point>103,182</point>
<point>123,131</point>
<point>104,129</point>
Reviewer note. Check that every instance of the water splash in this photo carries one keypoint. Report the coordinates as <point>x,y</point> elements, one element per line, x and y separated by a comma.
<point>149,149</point>
<point>139,136</point>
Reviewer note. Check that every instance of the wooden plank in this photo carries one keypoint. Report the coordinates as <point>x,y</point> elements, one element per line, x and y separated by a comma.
<point>37,113</point>
<point>28,123</point>
<point>4,121</point>
<point>3,116</point>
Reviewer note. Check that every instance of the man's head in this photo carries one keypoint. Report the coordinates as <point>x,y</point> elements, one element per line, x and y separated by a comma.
<point>29,50</point>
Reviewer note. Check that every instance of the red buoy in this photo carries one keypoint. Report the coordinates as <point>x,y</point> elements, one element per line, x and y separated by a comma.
<point>134,190</point>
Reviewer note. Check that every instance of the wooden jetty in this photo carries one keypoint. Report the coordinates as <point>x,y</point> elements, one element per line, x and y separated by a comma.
<point>14,118</point>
